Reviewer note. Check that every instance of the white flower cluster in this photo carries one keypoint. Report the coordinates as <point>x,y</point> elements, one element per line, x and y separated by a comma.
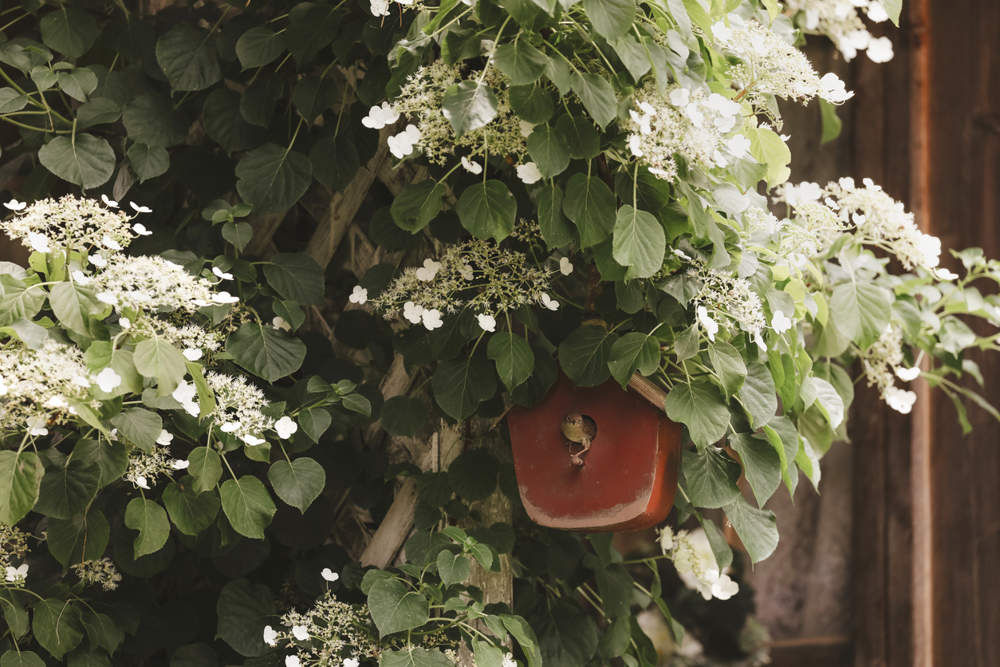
<point>239,408</point>
<point>695,563</point>
<point>146,468</point>
<point>769,65</point>
<point>431,133</point>
<point>476,275</point>
<point>381,7</point>
<point>840,20</point>
<point>867,212</point>
<point>36,386</point>
<point>100,572</point>
<point>729,299</point>
<point>13,549</point>
<point>329,634</point>
<point>883,364</point>
<point>193,340</point>
<point>154,284</point>
<point>71,223</point>
<point>697,125</point>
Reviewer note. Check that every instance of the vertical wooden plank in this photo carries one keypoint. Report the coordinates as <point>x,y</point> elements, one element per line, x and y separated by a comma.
<point>964,167</point>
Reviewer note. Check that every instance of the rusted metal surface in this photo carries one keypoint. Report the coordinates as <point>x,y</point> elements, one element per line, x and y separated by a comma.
<point>630,474</point>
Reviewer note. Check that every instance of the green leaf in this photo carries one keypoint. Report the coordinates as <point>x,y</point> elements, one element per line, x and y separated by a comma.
<point>893,9</point>
<point>414,656</point>
<point>56,626</point>
<point>597,95</point>
<point>525,636</point>
<point>150,519</point>
<point>862,310</point>
<point>459,386</point>
<point>611,18</point>
<point>83,160</point>
<point>549,150</point>
<point>633,351</point>
<point>68,489</point>
<point>468,106</point>
<point>272,177</point>
<point>187,55</point>
<point>243,610</point>
<point>312,96</point>
<point>17,301</point>
<point>417,204</point>
<point>699,406</point>
<point>822,393</point>
<point>247,505</point>
<point>150,120</point>
<point>239,234</point>
<point>12,658</point>
<point>590,204</point>
<point>634,54</point>
<point>79,538</point>
<point>296,277</point>
<point>832,124</point>
<point>206,397</point>
<point>720,548</point>
<point>584,355</point>
<point>756,528</point>
<point>259,46</point>
<point>784,438</point>
<point>486,655</point>
<point>757,395</point>
<point>761,465</point>
<point>298,483</point>
<point>728,364</point>
<point>156,358</point>
<point>581,137</point>
<point>453,568</point>
<point>488,210</point>
<point>224,123</point>
<point>615,586</point>
<point>768,148</point>
<point>98,111</point>
<point>206,468</point>
<point>395,607</point>
<point>265,351</point>
<point>315,422</point>
<point>190,511</point>
<point>74,306</point>
<point>20,479</point>
<point>11,100</point>
<point>69,30</point>
<point>639,242</point>
<point>16,616</point>
<point>148,161</point>
<point>141,427</point>
<point>513,357</point>
<point>556,232</point>
<point>521,62</point>
<point>534,104</point>
<point>78,83</point>
<point>103,631</point>
<point>710,477</point>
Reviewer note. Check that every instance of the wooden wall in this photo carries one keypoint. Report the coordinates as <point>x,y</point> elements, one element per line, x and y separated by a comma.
<point>914,503</point>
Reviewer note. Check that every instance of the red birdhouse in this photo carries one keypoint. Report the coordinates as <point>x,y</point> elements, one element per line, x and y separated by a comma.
<point>627,478</point>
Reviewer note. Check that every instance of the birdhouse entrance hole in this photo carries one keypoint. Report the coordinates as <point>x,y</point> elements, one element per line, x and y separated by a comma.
<point>573,478</point>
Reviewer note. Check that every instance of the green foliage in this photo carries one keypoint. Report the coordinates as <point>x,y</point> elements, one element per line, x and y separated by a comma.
<point>242,131</point>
